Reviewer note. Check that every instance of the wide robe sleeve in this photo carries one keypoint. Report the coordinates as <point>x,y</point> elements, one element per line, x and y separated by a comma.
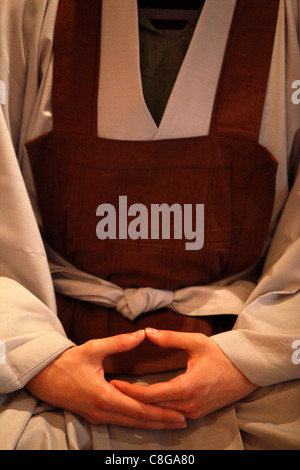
<point>30,332</point>
<point>262,344</point>
<point>265,342</point>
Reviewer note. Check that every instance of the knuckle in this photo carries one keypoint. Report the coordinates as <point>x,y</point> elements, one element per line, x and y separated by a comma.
<point>192,408</point>
<point>120,341</point>
<point>202,342</point>
<point>142,415</point>
<point>90,347</point>
<point>100,403</point>
<point>93,415</point>
<point>185,395</point>
<point>105,406</point>
<point>187,392</point>
<point>169,333</point>
<point>146,399</point>
<point>95,418</point>
<point>195,415</point>
<point>141,424</point>
<point>200,412</point>
<point>143,396</point>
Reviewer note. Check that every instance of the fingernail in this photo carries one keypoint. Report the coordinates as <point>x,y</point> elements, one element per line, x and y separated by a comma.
<point>151,331</point>
<point>179,420</point>
<point>139,334</point>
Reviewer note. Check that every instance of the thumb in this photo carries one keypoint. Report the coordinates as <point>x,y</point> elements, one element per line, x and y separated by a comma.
<point>120,343</point>
<point>173,339</point>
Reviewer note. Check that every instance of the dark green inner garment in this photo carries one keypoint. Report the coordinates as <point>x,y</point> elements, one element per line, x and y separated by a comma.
<point>161,57</point>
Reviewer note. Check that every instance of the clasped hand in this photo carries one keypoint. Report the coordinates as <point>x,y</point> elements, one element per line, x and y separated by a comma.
<point>76,381</point>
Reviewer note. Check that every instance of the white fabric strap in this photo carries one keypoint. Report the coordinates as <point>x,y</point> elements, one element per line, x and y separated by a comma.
<point>131,303</point>
<point>124,113</point>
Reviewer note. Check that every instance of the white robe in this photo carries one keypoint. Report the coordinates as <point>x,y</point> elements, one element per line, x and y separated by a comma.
<point>268,324</point>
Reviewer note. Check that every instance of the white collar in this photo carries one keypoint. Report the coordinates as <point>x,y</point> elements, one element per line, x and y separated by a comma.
<point>123,113</point>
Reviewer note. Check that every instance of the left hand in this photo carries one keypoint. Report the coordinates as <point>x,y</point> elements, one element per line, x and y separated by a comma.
<point>211,380</point>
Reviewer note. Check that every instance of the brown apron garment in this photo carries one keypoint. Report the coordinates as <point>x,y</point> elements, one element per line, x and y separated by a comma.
<point>227,171</point>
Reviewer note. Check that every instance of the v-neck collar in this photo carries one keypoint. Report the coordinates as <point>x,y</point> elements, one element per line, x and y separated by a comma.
<point>123,113</point>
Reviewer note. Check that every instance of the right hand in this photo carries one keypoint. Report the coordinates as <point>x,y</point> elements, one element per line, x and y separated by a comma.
<point>75,381</point>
